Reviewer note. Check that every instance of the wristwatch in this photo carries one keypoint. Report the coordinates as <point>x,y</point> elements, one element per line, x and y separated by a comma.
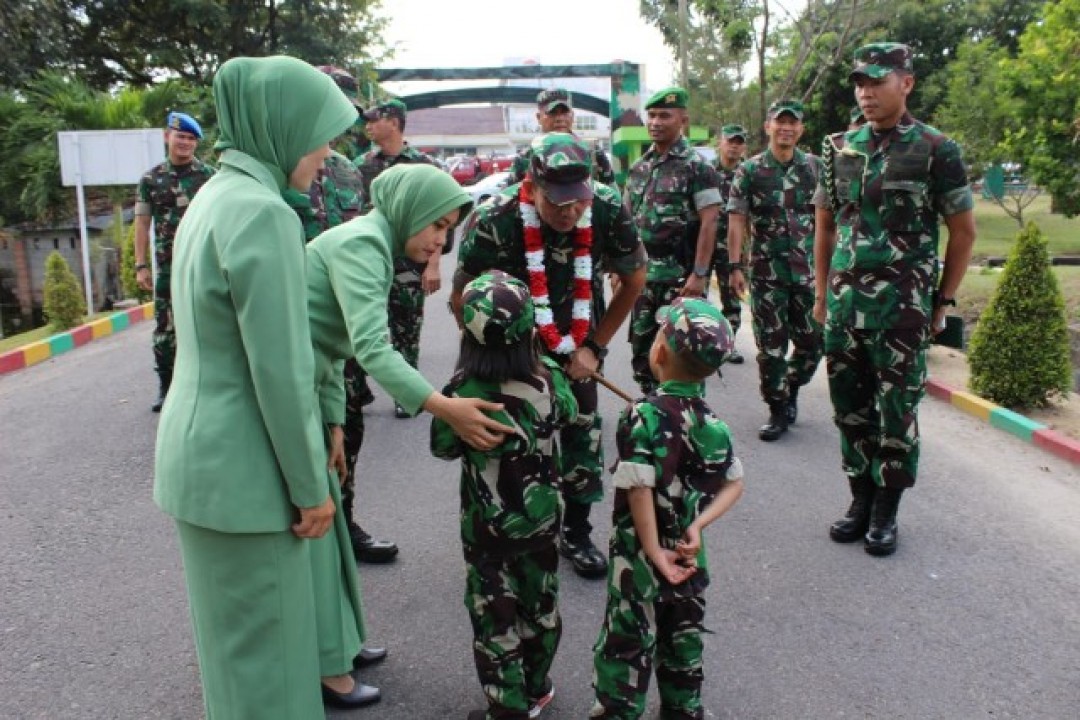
<point>734,265</point>
<point>942,301</point>
<point>599,352</point>
<point>702,271</point>
<point>141,266</point>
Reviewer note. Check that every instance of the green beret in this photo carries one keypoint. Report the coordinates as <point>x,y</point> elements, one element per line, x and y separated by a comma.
<point>672,97</point>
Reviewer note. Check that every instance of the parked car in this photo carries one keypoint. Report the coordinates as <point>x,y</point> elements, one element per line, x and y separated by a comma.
<point>491,185</point>
<point>467,170</point>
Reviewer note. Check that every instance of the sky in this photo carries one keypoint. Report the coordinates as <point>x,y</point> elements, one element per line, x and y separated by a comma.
<point>481,33</point>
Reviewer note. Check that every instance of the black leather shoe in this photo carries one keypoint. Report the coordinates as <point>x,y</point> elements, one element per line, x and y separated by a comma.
<point>400,413</point>
<point>856,521</point>
<point>477,715</point>
<point>587,560</point>
<point>882,536</point>
<point>791,410</point>
<point>368,656</point>
<point>777,425</point>
<point>736,358</point>
<point>360,696</point>
<point>369,550</point>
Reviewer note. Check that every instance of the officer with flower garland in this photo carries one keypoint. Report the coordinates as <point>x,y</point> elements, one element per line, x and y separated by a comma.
<point>673,196</point>
<point>552,231</point>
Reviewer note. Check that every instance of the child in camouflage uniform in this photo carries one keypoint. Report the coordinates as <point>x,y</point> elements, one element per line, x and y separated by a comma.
<point>509,497</point>
<point>675,475</point>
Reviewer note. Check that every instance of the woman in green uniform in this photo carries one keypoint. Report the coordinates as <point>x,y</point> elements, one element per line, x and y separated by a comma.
<point>350,268</point>
<point>241,461</point>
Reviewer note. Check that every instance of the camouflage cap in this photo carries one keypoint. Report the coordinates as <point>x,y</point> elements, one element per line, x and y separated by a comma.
<point>561,166</point>
<point>733,131</point>
<point>497,309</point>
<point>793,107</point>
<point>879,59</point>
<point>697,326</point>
<point>391,108</point>
<point>672,97</point>
<point>344,80</point>
<point>548,100</point>
<point>184,123</point>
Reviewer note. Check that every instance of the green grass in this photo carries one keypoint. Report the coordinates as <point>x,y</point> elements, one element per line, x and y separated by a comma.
<point>32,336</point>
<point>978,286</point>
<point>996,231</point>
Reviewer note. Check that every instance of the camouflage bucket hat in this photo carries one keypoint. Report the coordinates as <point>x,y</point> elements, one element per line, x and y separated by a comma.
<point>497,309</point>
<point>792,107</point>
<point>733,131</point>
<point>561,165</point>
<point>344,80</point>
<point>548,100</point>
<point>391,108</point>
<point>879,59</point>
<point>697,326</point>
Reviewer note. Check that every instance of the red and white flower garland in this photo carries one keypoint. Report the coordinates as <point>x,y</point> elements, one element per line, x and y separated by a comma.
<point>581,312</point>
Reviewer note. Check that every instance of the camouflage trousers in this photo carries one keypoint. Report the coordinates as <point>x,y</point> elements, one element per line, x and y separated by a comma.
<point>164,335</point>
<point>635,636</point>
<point>354,434</point>
<point>783,315</point>
<point>513,604</point>
<point>876,380</point>
<point>730,304</point>
<point>581,452</point>
<point>643,329</point>
<point>405,308</point>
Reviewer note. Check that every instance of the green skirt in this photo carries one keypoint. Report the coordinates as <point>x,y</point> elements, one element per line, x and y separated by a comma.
<point>254,617</point>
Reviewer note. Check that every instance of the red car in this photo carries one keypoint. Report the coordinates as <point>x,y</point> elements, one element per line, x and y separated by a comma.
<point>468,170</point>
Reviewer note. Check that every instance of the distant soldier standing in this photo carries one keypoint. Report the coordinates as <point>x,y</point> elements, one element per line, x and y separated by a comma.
<point>165,192</point>
<point>878,282</point>
<point>673,196</point>
<point>412,282</point>
<point>774,190</point>
<point>555,113</point>
<point>730,151</point>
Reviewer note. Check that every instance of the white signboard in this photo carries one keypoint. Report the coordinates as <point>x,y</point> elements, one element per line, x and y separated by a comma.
<point>109,157</point>
<point>105,157</point>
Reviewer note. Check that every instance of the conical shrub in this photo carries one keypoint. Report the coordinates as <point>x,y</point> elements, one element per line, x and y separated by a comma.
<point>64,304</point>
<point>1019,353</point>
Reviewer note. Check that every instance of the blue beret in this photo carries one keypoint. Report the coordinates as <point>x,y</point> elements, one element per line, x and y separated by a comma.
<point>184,122</point>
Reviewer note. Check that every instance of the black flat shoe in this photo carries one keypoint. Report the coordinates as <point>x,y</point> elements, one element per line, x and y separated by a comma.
<point>368,656</point>
<point>401,413</point>
<point>360,696</point>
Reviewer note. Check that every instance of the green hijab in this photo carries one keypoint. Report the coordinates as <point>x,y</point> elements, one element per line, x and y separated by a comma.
<point>411,197</point>
<point>277,110</point>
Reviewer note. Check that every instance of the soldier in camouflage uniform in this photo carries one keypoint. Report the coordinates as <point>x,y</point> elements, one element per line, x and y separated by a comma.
<point>674,198</point>
<point>337,196</point>
<point>412,281</point>
<point>675,475</point>
<point>774,193</point>
<point>559,193</point>
<point>509,496</point>
<point>555,113</point>
<point>353,142</point>
<point>729,153</point>
<point>165,192</point>
<point>884,187</point>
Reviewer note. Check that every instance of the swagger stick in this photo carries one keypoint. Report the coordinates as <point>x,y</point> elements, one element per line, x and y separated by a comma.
<point>611,386</point>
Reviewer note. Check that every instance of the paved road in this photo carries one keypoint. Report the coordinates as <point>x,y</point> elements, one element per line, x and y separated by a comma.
<point>976,616</point>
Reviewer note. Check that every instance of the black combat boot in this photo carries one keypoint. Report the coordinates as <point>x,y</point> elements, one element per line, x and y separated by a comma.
<point>882,537</point>
<point>792,409</point>
<point>856,522</point>
<point>576,545</point>
<point>777,425</point>
<point>164,381</point>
